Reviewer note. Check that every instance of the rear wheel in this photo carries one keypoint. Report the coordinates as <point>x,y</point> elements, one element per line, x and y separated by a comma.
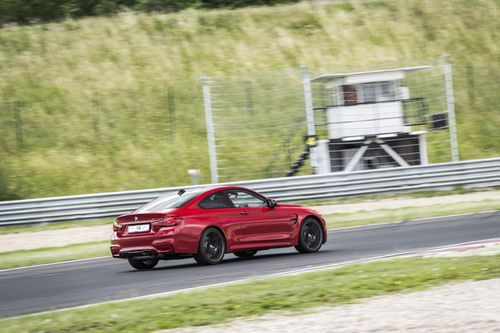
<point>311,236</point>
<point>245,254</point>
<point>212,247</point>
<point>142,264</point>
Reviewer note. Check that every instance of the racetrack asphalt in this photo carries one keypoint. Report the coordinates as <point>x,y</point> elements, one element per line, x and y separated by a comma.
<point>49,287</point>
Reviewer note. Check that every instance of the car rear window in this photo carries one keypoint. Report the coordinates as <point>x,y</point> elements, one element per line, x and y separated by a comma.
<point>171,200</point>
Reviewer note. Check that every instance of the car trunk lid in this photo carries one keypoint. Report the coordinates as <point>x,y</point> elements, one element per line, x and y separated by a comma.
<point>139,223</point>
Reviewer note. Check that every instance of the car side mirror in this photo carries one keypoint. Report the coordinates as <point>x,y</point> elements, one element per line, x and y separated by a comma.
<point>271,203</point>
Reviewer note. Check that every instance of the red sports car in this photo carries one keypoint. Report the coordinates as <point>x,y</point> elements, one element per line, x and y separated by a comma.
<point>207,223</point>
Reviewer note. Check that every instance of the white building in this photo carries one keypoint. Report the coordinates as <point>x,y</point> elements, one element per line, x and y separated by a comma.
<point>372,122</point>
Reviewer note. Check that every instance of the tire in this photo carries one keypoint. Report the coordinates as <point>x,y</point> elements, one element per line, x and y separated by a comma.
<point>143,264</point>
<point>212,247</point>
<point>245,254</point>
<point>311,236</point>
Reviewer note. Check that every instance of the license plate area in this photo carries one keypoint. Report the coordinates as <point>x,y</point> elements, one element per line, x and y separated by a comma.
<point>132,229</point>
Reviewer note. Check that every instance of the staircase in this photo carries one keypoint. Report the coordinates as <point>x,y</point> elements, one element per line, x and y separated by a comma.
<point>299,162</point>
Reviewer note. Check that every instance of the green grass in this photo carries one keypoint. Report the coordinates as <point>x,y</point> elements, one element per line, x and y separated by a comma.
<point>216,305</point>
<point>92,94</point>
<point>407,213</point>
<point>53,254</point>
<point>15,229</point>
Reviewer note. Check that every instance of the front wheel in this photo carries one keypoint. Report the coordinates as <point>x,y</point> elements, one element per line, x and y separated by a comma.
<point>212,247</point>
<point>142,264</point>
<point>311,236</point>
<point>245,254</point>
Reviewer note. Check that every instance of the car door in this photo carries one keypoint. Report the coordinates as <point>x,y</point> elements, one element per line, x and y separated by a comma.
<point>261,225</point>
<point>218,210</point>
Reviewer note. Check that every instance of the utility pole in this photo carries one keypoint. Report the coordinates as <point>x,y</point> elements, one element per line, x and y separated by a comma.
<point>311,128</point>
<point>209,123</point>
<point>450,102</point>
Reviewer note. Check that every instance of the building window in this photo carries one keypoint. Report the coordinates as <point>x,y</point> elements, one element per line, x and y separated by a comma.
<point>376,92</point>
<point>373,92</point>
<point>368,92</point>
<point>387,91</point>
<point>350,95</point>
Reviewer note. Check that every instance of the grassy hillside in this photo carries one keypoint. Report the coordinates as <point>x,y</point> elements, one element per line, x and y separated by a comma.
<point>114,103</point>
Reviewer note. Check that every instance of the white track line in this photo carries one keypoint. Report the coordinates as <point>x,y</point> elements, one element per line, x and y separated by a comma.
<point>404,254</point>
<point>374,225</point>
<point>53,263</point>
<point>368,226</point>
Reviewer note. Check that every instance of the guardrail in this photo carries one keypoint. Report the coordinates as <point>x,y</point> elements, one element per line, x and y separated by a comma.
<point>474,173</point>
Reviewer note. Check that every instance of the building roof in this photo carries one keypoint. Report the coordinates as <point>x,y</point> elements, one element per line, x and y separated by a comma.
<point>330,77</point>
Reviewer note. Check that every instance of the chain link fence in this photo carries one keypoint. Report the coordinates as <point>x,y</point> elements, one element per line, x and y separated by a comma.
<point>386,118</point>
<point>132,142</point>
<point>34,125</point>
<point>260,124</point>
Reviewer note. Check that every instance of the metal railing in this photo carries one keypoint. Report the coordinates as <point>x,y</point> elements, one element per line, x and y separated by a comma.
<point>474,173</point>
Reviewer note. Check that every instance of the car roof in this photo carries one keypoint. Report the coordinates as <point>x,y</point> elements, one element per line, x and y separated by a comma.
<point>212,189</point>
<point>205,189</point>
<point>229,187</point>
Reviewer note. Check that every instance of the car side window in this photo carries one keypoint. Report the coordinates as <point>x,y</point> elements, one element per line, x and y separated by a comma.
<point>243,199</point>
<point>216,200</point>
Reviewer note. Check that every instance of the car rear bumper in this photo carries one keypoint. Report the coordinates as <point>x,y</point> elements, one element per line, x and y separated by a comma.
<point>150,245</point>
<point>139,254</point>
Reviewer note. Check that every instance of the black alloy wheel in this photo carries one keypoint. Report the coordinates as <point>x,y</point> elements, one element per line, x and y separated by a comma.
<point>245,254</point>
<point>143,264</point>
<point>311,236</point>
<point>212,247</point>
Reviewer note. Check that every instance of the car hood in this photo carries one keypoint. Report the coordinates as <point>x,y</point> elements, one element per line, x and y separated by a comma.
<point>290,205</point>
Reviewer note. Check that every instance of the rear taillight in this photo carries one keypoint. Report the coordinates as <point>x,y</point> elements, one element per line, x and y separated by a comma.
<point>167,221</point>
<point>117,226</point>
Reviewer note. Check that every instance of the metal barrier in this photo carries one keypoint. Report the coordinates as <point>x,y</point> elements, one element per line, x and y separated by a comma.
<point>474,173</point>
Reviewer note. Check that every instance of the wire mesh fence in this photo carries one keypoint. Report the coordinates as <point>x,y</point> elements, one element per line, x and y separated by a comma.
<point>378,118</point>
<point>39,124</point>
<point>120,139</point>
<point>260,124</point>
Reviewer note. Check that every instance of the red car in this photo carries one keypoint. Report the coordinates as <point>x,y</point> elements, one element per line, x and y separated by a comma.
<point>207,223</point>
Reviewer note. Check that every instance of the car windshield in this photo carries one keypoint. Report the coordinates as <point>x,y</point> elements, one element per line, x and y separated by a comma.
<point>171,200</point>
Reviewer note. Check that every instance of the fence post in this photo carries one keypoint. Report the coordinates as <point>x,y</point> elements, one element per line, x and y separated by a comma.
<point>96,117</point>
<point>19,125</point>
<point>450,101</point>
<point>249,96</point>
<point>171,109</point>
<point>212,152</point>
<point>470,85</point>
<point>311,128</point>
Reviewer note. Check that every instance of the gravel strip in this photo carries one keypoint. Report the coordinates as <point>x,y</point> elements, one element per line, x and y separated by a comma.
<point>397,203</point>
<point>56,237</point>
<point>472,306</point>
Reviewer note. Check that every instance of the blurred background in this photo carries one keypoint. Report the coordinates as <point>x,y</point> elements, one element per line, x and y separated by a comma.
<point>106,95</point>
